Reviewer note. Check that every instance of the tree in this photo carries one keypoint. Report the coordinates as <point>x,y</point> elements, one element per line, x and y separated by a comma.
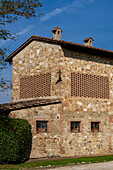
<point>10,11</point>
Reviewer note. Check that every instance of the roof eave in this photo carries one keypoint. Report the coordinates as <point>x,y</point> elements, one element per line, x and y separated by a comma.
<point>9,58</point>
<point>74,46</point>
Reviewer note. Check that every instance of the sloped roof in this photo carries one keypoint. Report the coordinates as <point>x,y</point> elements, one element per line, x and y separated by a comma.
<point>65,44</point>
<point>41,101</point>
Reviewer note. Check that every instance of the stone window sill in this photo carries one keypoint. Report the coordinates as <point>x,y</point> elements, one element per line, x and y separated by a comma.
<point>43,132</point>
<point>76,132</point>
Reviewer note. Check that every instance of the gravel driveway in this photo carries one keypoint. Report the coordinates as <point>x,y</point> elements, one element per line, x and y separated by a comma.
<point>94,166</point>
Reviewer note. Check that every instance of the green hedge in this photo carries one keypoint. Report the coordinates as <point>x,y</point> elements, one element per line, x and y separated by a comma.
<point>15,139</point>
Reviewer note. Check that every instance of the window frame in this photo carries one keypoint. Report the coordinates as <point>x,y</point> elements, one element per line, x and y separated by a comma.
<point>75,124</point>
<point>95,126</point>
<point>43,124</point>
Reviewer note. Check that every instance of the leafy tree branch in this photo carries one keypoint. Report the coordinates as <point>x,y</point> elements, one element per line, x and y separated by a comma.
<point>10,11</point>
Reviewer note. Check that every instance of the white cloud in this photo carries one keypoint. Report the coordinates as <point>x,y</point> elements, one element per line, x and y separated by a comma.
<point>74,4</point>
<point>52,13</point>
<point>24,31</point>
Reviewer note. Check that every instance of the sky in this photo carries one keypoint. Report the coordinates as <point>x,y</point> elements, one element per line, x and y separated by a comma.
<point>77,18</point>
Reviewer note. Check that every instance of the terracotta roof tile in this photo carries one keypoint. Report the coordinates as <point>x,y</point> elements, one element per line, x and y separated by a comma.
<point>56,29</point>
<point>88,38</point>
<point>75,46</point>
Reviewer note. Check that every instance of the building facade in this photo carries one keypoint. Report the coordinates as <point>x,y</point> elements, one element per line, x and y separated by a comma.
<point>68,89</point>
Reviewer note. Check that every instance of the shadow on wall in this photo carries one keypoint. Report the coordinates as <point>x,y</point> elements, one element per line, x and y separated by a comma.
<point>88,56</point>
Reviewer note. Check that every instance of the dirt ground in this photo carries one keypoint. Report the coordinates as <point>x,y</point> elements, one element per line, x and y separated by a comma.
<point>94,166</point>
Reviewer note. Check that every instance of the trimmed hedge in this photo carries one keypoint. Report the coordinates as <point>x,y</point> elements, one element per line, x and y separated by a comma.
<point>15,140</point>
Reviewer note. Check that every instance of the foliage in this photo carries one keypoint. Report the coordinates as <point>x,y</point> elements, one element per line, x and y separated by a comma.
<point>15,139</point>
<point>10,11</point>
<point>58,162</point>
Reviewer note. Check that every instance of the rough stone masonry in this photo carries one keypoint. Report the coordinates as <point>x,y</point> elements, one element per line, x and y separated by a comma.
<point>85,90</point>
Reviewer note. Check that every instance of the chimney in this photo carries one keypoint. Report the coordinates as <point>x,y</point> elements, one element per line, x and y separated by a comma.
<point>88,41</point>
<point>57,33</point>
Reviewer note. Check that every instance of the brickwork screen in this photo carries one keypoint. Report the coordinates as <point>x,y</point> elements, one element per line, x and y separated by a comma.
<point>86,85</point>
<point>35,86</point>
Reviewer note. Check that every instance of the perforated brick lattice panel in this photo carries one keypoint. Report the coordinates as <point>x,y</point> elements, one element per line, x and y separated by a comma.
<point>35,86</point>
<point>86,85</point>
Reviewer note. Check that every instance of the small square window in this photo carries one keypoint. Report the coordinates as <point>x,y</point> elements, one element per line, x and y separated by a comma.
<point>41,126</point>
<point>95,126</point>
<point>75,126</point>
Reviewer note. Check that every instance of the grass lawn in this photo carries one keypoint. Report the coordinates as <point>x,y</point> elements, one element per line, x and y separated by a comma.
<point>59,162</point>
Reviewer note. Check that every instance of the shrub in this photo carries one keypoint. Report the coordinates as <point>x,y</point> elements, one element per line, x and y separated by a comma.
<point>15,140</point>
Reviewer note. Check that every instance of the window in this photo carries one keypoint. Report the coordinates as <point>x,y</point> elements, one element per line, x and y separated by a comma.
<point>95,126</point>
<point>87,85</point>
<point>41,126</point>
<point>35,86</point>
<point>75,126</point>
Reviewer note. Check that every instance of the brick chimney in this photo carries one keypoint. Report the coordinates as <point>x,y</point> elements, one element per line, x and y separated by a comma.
<point>57,33</point>
<point>88,41</point>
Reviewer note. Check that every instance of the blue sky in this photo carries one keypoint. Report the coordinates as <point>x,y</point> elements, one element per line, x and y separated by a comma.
<point>77,18</point>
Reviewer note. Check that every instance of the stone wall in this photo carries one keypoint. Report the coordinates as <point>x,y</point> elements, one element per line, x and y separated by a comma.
<point>85,142</point>
<point>36,58</point>
<point>43,143</point>
<point>40,57</point>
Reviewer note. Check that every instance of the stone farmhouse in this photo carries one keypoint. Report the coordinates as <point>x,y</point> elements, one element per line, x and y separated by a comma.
<point>65,90</point>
